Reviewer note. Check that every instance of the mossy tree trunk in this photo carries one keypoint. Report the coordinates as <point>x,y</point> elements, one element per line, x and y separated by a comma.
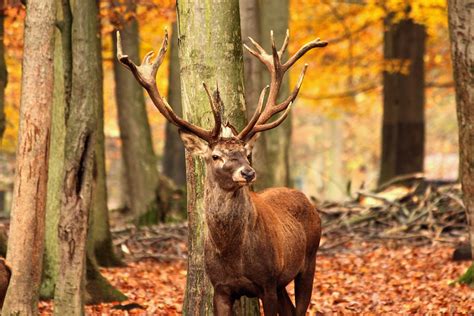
<point>99,239</point>
<point>137,150</point>
<point>3,72</point>
<point>210,50</point>
<point>80,144</point>
<point>461,28</point>
<point>403,128</point>
<point>173,155</point>
<point>62,93</point>
<point>26,242</point>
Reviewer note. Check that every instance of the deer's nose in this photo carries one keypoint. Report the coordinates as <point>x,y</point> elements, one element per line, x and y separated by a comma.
<point>248,174</point>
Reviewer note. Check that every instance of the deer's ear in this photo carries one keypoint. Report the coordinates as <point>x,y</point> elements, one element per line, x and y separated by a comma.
<point>195,145</point>
<point>250,143</point>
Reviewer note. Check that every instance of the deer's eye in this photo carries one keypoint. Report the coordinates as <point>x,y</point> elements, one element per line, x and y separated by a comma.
<point>249,157</point>
<point>215,157</point>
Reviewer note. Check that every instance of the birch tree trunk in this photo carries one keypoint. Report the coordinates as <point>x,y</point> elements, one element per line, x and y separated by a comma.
<point>137,149</point>
<point>403,130</point>
<point>26,242</point>
<point>174,166</point>
<point>210,50</point>
<point>461,28</point>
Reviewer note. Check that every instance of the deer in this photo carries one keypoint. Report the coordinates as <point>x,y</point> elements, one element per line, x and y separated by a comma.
<point>256,242</point>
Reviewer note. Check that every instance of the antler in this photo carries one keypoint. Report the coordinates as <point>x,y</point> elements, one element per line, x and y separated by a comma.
<point>146,76</point>
<point>277,70</point>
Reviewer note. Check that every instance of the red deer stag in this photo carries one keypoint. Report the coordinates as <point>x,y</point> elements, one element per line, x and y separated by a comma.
<point>256,243</point>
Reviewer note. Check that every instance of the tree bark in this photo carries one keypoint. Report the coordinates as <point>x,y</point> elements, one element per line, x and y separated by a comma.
<point>274,15</point>
<point>62,94</point>
<point>403,129</point>
<point>26,242</point>
<point>137,149</point>
<point>250,23</point>
<point>81,125</point>
<point>210,51</point>
<point>461,28</point>
<point>3,72</point>
<point>174,166</point>
<point>100,238</point>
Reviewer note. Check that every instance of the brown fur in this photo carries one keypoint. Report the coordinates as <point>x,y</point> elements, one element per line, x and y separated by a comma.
<point>257,243</point>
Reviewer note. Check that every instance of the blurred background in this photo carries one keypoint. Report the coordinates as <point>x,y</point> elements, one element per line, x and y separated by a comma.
<point>390,56</point>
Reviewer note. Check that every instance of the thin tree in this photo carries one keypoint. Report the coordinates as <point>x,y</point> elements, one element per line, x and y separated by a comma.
<point>3,73</point>
<point>173,154</point>
<point>26,242</point>
<point>137,150</point>
<point>274,16</point>
<point>403,128</point>
<point>461,28</point>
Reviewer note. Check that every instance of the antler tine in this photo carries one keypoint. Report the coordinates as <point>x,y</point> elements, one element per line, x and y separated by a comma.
<point>277,70</point>
<point>243,134</point>
<point>285,43</point>
<point>146,76</point>
<point>267,126</point>
<point>303,50</point>
<point>216,110</point>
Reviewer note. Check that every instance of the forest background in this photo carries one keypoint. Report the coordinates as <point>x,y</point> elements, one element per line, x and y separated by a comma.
<point>338,114</point>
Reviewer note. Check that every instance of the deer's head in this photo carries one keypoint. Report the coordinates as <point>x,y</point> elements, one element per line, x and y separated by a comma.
<point>224,149</point>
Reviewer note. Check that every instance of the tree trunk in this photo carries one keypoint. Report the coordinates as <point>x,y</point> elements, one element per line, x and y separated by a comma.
<point>461,27</point>
<point>26,242</point>
<point>210,51</point>
<point>81,126</point>
<point>274,15</point>
<point>137,150</point>
<point>253,69</point>
<point>403,130</point>
<point>3,72</point>
<point>173,156</point>
<point>100,238</point>
<point>62,93</point>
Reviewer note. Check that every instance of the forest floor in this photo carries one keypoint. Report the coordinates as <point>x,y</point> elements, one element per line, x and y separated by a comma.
<point>385,253</point>
<point>369,277</point>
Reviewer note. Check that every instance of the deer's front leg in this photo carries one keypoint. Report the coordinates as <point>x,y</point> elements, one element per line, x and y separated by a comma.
<point>222,303</point>
<point>270,302</point>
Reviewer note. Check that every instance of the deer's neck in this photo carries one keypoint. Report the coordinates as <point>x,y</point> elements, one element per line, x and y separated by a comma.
<point>227,216</point>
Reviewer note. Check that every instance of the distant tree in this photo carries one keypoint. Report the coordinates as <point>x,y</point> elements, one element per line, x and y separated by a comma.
<point>26,242</point>
<point>137,149</point>
<point>3,72</point>
<point>461,27</point>
<point>173,155</point>
<point>274,16</point>
<point>403,129</point>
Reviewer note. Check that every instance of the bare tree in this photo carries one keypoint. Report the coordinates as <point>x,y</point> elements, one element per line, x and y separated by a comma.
<point>26,242</point>
<point>461,27</point>
<point>137,149</point>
